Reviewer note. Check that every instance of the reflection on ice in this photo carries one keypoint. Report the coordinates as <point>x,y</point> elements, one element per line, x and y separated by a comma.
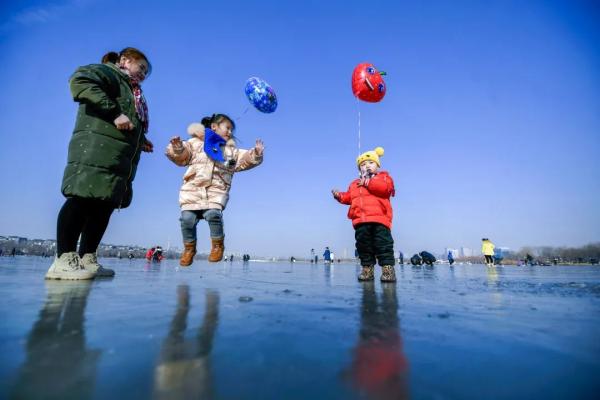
<point>379,368</point>
<point>184,368</point>
<point>59,364</point>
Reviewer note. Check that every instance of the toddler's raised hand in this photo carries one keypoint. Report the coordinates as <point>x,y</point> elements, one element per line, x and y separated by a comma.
<point>364,181</point>
<point>335,193</point>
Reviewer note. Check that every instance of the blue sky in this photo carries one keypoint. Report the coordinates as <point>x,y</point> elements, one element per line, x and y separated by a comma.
<point>491,122</point>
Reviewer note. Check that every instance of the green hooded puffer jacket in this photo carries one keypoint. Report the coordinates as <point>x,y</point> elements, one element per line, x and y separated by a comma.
<point>102,160</point>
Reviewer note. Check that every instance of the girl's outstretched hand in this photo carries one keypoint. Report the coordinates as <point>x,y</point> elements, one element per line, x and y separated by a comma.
<point>259,147</point>
<point>176,142</point>
<point>335,193</point>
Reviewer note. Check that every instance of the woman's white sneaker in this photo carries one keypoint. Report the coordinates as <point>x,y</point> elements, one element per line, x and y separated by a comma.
<point>68,266</point>
<point>90,263</point>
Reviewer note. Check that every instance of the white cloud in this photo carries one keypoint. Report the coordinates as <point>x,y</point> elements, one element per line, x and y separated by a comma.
<point>36,15</point>
<point>42,14</point>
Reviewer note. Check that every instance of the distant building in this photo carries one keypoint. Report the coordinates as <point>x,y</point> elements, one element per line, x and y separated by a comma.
<point>455,253</point>
<point>18,239</point>
<point>49,243</point>
<point>466,252</point>
<point>501,251</point>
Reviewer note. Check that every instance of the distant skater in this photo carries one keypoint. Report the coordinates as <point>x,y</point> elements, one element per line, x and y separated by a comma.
<point>487,248</point>
<point>371,215</point>
<point>212,158</point>
<point>327,255</point>
<point>104,151</point>
<point>450,258</point>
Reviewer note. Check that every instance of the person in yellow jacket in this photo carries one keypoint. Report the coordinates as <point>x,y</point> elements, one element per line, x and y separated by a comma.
<point>487,248</point>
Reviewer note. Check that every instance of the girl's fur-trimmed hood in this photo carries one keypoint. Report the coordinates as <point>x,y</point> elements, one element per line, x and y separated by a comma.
<point>196,129</point>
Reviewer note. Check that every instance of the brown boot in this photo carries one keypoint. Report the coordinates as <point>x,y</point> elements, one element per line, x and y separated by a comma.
<point>187,257</point>
<point>367,273</point>
<point>218,247</point>
<point>388,274</point>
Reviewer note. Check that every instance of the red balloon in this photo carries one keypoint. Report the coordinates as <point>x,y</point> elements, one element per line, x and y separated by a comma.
<point>367,83</point>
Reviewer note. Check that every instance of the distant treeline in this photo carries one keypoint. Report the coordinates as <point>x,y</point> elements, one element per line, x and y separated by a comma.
<point>568,254</point>
<point>48,249</point>
<point>546,254</point>
<point>588,254</point>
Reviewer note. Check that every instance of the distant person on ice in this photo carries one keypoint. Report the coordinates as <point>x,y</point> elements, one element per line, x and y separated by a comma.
<point>371,215</point>
<point>158,254</point>
<point>450,258</point>
<point>427,258</point>
<point>104,151</point>
<point>327,255</point>
<point>150,253</point>
<point>487,248</point>
<point>207,180</point>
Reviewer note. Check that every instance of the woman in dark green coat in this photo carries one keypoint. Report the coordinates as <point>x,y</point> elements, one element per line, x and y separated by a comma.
<point>104,151</point>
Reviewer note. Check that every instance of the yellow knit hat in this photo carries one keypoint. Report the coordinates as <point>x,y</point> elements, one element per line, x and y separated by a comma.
<point>372,155</point>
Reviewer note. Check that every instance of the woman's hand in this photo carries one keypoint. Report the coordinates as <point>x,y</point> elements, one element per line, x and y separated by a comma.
<point>148,147</point>
<point>259,147</point>
<point>123,123</point>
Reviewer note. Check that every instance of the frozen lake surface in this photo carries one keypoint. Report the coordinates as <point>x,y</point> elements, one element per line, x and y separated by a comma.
<point>299,331</point>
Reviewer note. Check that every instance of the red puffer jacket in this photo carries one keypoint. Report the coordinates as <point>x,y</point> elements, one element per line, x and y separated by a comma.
<point>371,203</point>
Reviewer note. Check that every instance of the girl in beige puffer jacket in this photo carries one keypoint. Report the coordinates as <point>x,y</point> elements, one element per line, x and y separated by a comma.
<point>206,183</point>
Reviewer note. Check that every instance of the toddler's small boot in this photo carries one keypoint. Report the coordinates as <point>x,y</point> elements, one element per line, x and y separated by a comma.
<point>90,263</point>
<point>189,251</point>
<point>388,274</point>
<point>217,249</point>
<point>367,273</point>
<point>68,266</point>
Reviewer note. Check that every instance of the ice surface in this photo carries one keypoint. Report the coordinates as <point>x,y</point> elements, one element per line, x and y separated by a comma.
<point>299,331</point>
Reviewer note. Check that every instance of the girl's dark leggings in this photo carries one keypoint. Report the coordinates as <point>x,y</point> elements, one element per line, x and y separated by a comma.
<point>87,218</point>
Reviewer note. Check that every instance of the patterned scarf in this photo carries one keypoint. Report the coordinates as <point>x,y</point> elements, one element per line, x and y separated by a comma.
<point>141,107</point>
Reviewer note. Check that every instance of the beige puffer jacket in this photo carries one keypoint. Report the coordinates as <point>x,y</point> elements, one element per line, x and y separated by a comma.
<point>206,183</point>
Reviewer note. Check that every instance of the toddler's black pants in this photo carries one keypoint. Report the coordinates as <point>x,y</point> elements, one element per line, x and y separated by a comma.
<point>374,244</point>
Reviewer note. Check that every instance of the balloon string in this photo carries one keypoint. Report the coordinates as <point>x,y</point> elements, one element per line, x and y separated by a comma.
<point>244,113</point>
<point>358,109</point>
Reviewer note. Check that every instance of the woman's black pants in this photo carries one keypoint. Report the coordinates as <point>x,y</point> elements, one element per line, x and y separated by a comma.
<point>87,218</point>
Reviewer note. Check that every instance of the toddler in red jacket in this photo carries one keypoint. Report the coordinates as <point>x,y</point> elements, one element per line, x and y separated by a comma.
<point>371,215</point>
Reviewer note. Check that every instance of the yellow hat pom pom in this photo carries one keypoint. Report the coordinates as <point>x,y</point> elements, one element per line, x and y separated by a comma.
<point>379,151</point>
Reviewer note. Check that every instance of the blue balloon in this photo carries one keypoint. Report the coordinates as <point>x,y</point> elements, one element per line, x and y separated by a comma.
<point>261,95</point>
